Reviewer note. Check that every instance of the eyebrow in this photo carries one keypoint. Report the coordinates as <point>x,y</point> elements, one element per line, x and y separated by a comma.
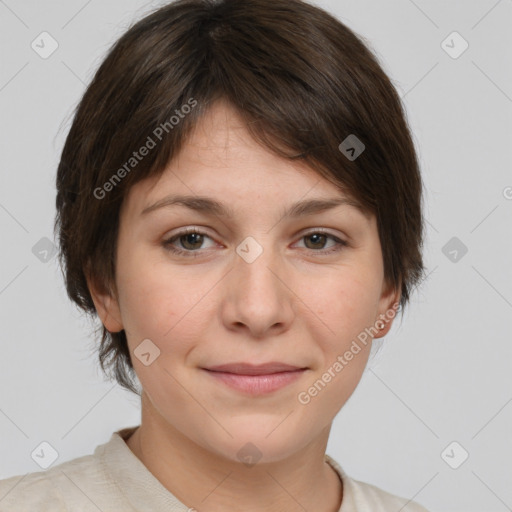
<point>211,206</point>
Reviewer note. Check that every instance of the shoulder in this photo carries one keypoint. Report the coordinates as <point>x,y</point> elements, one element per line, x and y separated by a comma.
<point>372,497</point>
<point>33,491</point>
<point>361,496</point>
<point>54,489</point>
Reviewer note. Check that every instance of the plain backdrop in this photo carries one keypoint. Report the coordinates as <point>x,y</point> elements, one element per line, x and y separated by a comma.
<point>439,387</point>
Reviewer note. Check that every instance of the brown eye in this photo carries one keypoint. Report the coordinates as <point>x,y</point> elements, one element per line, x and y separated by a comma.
<point>191,240</point>
<point>316,240</point>
<point>186,243</point>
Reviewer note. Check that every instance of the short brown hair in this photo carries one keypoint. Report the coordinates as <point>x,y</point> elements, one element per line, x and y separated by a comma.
<point>301,80</point>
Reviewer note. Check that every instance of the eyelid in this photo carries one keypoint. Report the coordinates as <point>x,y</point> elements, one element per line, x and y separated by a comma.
<point>203,230</point>
<point>324,231</point>
<point>189,229</point>
<point>340,242</point>
<point>179,232</point>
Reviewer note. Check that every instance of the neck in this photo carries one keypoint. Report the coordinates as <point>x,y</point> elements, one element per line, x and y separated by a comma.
<point>209,482</point>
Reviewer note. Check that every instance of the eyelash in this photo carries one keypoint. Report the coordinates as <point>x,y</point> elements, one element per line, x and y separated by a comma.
<point>340,244</point>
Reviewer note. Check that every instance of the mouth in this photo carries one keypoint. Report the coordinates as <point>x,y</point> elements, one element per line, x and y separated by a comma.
<point>255,379</point>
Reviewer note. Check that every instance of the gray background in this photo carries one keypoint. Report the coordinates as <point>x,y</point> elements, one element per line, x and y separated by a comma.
<point>441,375</point>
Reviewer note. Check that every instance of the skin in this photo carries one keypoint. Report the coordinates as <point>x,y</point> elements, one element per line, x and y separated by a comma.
<point>291,304</point>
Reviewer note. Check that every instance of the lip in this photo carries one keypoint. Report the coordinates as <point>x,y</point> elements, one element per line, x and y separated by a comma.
<point>252,369</point>
<point>256,379</point>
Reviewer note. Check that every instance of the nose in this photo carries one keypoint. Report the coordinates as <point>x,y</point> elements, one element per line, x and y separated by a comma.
<point>258,294</point>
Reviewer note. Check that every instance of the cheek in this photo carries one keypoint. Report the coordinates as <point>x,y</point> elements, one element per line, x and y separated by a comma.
<point>349,308</point>
<point>163,306</point>
<point>150,303</point>
<point>145,306</point>
<point>345,350</point>
<point>346,306</point>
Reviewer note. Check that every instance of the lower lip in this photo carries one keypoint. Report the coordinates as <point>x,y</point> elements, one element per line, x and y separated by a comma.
<point>257,384</point>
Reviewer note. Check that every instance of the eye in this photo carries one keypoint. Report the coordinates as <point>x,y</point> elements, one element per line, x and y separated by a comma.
<point>318,238</point>
<point>192,240</point>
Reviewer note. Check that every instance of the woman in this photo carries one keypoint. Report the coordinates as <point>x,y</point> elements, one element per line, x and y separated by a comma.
<point>239,201</point>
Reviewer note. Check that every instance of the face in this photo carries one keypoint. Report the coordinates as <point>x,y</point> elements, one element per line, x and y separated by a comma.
<point>254,287</point>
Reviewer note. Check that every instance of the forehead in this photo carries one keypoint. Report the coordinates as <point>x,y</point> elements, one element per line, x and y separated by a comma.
<point>221,141</point>
<point>220,159</point>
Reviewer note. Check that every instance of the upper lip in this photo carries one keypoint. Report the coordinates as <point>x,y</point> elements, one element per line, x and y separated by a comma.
<point>250,369</point>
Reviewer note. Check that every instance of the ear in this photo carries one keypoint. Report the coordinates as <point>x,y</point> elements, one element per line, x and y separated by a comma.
<point>106,304</point>
<point>388,306</point>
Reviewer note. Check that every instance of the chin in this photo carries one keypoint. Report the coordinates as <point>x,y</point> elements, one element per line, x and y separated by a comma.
<point>257,441</point>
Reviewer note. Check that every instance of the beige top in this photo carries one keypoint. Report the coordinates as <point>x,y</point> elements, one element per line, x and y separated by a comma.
<point>113,479</point>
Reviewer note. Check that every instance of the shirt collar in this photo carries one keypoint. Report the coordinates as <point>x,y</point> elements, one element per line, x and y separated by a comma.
<point>145,492</point>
